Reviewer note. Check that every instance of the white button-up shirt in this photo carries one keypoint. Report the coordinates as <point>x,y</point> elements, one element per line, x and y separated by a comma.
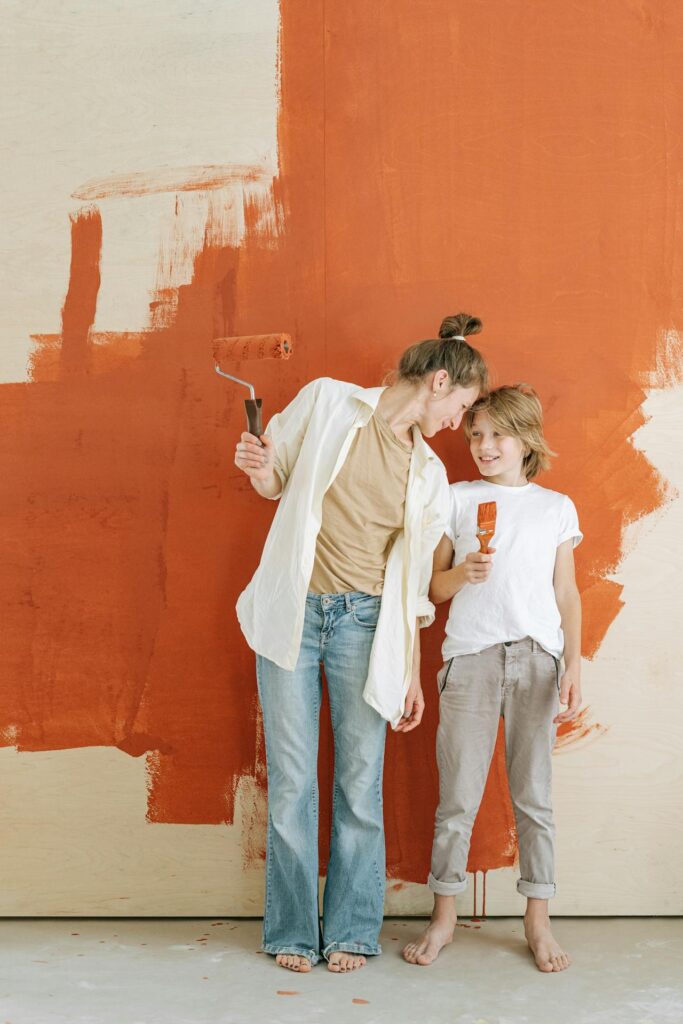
<point>312,437</point>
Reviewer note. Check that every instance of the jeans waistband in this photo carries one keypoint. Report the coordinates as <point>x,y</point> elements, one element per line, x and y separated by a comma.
<point>346,600</point>
<point>526,643</point>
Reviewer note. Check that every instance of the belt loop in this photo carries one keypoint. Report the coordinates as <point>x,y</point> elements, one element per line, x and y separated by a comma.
<point>347,602</point>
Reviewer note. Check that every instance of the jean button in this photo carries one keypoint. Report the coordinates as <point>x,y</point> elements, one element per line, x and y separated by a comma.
<point>508,643</point>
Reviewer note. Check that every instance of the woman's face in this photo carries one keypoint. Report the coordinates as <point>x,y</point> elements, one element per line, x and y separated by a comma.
<point>447,409</point>
<point>495,453</point>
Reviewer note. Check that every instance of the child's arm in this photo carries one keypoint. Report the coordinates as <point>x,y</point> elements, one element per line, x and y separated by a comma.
<point>447,581</point>
<point>569,604</point>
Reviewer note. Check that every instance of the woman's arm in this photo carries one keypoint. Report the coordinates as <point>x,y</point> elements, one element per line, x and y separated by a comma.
<point>447,581</point>
<point>269,464</point>
<point>569,603</point>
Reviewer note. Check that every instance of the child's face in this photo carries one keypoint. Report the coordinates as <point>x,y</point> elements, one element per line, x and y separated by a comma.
<point>495,453</point>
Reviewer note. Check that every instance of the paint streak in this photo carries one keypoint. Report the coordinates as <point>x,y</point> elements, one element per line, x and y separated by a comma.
<point>569,733</point>
<point>78,312</point>
<point>172,179</point>
<point>361,1002</point>
<point>106,350</point>
<point>541,201</point>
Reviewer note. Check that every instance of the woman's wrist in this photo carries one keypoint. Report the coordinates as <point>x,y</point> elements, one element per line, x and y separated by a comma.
<point>268,488</point>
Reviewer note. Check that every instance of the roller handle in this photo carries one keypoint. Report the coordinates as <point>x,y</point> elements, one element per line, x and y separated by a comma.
<point>253,407</point>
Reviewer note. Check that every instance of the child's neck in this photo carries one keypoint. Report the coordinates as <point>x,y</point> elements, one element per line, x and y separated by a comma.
<point>511,478</point>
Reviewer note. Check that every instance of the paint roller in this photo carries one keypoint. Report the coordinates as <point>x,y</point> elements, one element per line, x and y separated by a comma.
<point>255,346</point>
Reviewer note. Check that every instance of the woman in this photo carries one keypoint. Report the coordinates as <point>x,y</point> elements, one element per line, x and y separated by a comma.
<point>343,582</point>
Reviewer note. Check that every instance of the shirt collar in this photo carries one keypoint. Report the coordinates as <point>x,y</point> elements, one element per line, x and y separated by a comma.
<point>370,396</point>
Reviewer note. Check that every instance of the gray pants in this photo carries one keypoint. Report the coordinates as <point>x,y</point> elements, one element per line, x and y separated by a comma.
<point>519,681</point>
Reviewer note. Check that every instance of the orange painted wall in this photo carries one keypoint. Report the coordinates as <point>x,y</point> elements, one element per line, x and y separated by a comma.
<point>515,160</point>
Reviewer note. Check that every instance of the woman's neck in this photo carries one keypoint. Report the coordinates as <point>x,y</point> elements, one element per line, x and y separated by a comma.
<point>401,406</point>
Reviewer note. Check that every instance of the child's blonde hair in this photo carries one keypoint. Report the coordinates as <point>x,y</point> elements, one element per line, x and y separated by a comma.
<point>515,410</point>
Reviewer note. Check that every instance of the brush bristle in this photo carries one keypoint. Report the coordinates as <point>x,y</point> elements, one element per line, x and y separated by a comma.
<point>486,514</point>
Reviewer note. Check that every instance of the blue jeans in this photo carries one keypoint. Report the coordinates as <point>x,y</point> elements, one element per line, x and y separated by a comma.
<point>338,631</point>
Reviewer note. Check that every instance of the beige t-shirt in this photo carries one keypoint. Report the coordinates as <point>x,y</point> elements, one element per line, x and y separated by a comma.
<point>362,513</point>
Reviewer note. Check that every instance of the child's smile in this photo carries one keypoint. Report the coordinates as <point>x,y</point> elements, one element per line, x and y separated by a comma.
<point>498,456</point>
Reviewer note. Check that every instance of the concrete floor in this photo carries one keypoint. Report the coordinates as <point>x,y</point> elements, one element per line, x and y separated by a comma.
<point>66,971</point>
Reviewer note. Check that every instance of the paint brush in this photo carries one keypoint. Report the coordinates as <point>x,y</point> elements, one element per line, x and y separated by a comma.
<point>486,524</point>
<point>251,347</point>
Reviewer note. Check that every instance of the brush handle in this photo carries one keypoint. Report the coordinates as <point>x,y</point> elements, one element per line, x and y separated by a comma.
<point>484,539</point>
<point>253,407</point>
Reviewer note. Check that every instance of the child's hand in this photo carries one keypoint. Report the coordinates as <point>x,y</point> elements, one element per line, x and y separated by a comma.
<point>570,694</point>
<point>477,567</point>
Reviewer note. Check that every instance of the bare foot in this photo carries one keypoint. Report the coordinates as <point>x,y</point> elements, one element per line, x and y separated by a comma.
<point>548,953</point>
<point>341,962</point>
<point>292,962</point>
<point>437,934</point>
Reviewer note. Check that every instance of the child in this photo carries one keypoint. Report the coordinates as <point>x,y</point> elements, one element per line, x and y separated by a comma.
<point>513,615</point>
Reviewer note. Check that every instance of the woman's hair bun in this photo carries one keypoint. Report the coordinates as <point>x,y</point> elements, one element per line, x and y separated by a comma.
<point>459,323</point>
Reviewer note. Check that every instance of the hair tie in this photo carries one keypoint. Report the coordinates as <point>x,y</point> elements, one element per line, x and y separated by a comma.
<point>457,337</point>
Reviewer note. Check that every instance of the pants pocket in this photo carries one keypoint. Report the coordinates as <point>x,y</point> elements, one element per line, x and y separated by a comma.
<point>365,610</point>
<point>442,682</point>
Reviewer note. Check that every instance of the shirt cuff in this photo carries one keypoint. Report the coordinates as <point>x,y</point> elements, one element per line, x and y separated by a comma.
<point>281,477</point>
<point>426,612</point>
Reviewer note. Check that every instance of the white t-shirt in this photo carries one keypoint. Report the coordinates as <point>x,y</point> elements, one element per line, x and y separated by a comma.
<point>518,598</point>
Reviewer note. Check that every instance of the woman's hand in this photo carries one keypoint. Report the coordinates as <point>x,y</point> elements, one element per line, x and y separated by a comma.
<point>414,709</point>
<point>477,566</point>
<point>570,694</point>
<point>255,456</point>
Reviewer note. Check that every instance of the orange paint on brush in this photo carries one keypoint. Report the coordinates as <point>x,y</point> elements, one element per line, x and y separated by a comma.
<point>403,194</point>
<point>486,524</point>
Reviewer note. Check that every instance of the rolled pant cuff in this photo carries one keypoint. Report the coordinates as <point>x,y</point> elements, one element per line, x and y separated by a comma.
<point>536,890</point>
<point>310,954</point>
<point>351,947</point>
<point>445,888</point>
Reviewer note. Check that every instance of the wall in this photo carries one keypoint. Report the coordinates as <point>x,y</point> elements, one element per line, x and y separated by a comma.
<point>521,164</point>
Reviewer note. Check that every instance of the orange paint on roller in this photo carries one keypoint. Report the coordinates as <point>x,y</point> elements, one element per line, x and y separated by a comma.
<point>253,346</point>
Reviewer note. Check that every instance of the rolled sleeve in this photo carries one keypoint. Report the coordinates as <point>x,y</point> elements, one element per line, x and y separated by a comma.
<point>426,612</point>
<point>287,430</point>
<point>435,525</point>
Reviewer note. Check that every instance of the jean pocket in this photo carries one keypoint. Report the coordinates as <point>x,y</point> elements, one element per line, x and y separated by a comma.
<point>557,672</point>
<point>365,610</point>
<point>443,682</point>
